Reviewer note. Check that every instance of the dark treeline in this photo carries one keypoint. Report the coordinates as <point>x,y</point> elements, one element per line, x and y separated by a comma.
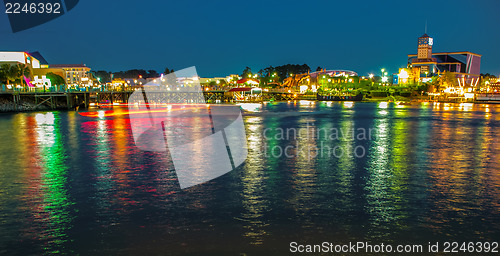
<point>105,76</point>
<point>279,72</point>
<point>488,75</point>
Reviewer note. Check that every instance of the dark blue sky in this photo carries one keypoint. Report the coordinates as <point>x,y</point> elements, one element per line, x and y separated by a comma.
<point>222,37</point>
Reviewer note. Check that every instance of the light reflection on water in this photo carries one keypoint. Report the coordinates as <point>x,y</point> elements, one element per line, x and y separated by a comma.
<point>78,185</point>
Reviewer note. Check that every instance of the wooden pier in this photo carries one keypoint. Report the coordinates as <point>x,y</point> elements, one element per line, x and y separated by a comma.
<point>76,99</point>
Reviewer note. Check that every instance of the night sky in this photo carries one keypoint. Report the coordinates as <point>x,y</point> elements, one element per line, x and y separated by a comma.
<point>222,37</point>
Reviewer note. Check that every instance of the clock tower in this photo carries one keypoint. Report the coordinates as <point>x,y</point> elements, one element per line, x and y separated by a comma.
<point>425,47</point>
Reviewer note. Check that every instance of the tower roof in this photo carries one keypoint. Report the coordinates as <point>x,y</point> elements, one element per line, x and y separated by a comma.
<point>425,36</point>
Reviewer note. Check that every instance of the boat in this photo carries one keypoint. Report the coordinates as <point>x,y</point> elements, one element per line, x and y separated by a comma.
<point>358,97</point>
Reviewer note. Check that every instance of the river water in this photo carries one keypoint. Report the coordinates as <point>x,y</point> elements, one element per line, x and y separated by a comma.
<point>315,171</point>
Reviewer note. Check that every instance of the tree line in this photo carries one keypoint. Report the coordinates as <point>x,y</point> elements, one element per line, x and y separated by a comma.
<point>12,73</point>
<point>278,73</point>
<point>107,76</point>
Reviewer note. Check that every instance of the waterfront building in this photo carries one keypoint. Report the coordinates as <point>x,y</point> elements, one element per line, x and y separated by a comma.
<point>465,65</point>
<point>491,85</point>
<point>73,74</point>
<point>14,58</point>
<point>407,76</point>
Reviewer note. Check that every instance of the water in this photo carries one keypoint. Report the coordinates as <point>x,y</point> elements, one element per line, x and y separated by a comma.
<point>424,173</point>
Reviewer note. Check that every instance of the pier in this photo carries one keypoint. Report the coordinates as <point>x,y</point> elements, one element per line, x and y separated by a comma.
<point>84,99</point>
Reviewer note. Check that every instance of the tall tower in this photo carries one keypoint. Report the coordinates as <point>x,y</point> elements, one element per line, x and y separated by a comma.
<point>425,47</point>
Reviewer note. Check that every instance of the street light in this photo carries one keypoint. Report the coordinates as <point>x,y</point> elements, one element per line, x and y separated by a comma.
<point>371,76</point>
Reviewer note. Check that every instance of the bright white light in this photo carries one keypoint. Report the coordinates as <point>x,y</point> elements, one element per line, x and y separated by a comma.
<point>383,105</point>
<point>348,104</point>
<point>251,107</point>
<point>303,88</point>
<point>100,114</point>
<point>403,74</point>
<point>47,119</point>
<point>469,95</point>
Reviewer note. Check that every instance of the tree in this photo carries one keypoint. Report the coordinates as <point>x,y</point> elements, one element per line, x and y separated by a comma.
<point>246,72</point>
<point>103,76</point>
<point>269,71</point>
<point>261,73</point>
<point>4,69</point>
<point>488,75</point>
<point>133,73</point>
<point>8,73</point>
<point>153,74</point>
<point>287,70</point>
<point>22,71</point>
<point>55,79</point>
<point>222,82</point>
<point>319,68</point>
<point>448,79</point>
<point>168,71</point>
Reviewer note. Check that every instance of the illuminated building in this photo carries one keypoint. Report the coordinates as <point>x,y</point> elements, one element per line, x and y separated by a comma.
<point>14,58</point>
<point>73,74</point>
<point>465,65</point>
<point>407,76</point>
